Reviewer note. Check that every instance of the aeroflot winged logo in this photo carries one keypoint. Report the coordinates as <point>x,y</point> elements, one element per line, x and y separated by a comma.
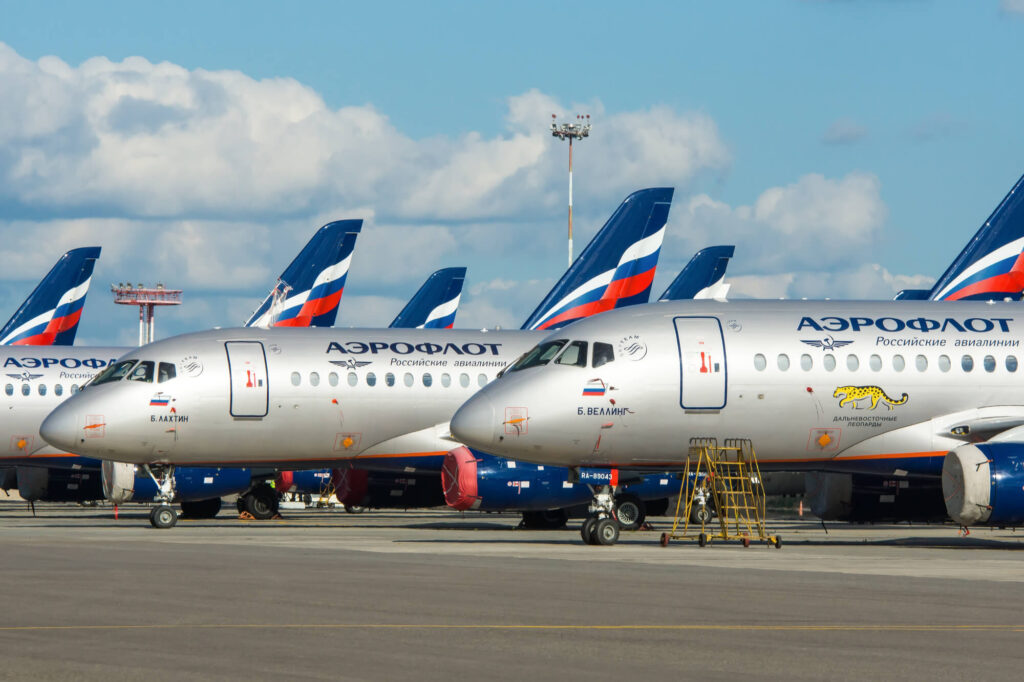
<point>827,343</point>
<point>25,376</point>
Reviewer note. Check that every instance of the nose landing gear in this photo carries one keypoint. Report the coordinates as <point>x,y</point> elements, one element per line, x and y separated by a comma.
<point>601,526</point>
<point>162,515</point>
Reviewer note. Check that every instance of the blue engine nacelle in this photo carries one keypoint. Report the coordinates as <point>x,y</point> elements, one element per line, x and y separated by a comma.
<point>983,484</point>
<point>475,480</point>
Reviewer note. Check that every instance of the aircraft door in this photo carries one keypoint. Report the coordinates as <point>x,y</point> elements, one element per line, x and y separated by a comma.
<point>247,367</point>
<point>702,372</point>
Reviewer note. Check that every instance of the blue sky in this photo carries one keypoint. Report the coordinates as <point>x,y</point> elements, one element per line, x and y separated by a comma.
<point>869,139</point>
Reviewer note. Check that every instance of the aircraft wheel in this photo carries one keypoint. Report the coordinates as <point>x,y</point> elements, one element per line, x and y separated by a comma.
<point>261,502</point>
<point>606,532</point>
<point>548,519</point>
<point>587,530</point>
<point>629,509</point>
<point>163,517</point>
<point>700,514</point>
<point>201,509</point>
<point>240,503</point>
<point>355,508</point>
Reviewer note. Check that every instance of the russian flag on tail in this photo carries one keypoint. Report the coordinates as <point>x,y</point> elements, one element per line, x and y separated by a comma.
<point>50,315</point>
<point>617,267</point>
<point>991,266</point>
<point>309,290</point>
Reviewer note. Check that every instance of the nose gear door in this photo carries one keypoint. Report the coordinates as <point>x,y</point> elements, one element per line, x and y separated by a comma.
<point>702,371</point>
<point>247,368</point>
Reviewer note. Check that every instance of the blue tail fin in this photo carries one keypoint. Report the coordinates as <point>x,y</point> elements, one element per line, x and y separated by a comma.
<point>617,267</point>
<point>702,277</point>
<point>991,266</point>
<point>49,316</point>
<point>308,292</point>
<point>435,304</point>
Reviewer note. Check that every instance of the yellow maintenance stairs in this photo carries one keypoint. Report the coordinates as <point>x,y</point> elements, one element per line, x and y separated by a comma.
<point>728,480</point>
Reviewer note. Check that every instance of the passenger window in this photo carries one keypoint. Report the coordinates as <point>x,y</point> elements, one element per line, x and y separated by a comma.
<point>165,372</point>
<point>921,362</point>
<point>42,389</point>
<point>482,379</point>
<point>353,378</point>
<point>540,355</point>
<point>58,389</point>
<point>408,379</point>
<point>74,389</point>
<point>944,363</point>
<point>898,363</point>
<point>967,363</point>
<point>575,354</point>
<point>806,362</point>
<point>9,389</point>
<point>296,379</point>
<point>446,380</point>
<point>1011,363</point>
<point>852,362</point>
<point>314,379</point>
<point>464,380</point>
<point>783,361</point>
<point>760,362</point>
<point>389,379</point>
<point>428,380</point>
<point>603,354</point>
<point>332,378</point>
<point>142,372</point>
<point>990,363</point>
<point>829,361</point>
<point>114,372</point>
<point>371,379</point>
<point>25,389</point>
<point>875,362</point>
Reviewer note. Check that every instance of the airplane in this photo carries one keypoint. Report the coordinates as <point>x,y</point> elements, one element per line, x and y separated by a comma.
<point>50,314</point>
<point>306,398</point>
<point>315,279</point>
<point>435,304</point>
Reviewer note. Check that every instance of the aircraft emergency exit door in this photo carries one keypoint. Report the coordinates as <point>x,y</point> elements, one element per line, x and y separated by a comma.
<point>702,375</point>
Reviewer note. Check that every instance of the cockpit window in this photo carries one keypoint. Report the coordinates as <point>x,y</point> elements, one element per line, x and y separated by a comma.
<point>540,355</point>
<point>603,354</point>
<point>575,354</point>
<point>166,372</point>
<point>142,372</point>
<point>115,372</point>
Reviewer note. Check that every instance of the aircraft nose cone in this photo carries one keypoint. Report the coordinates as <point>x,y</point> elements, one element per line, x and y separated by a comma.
<point>60,429</point>
<point>473,423</point>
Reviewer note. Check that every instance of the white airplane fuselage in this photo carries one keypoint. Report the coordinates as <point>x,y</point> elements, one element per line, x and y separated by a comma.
<point>856,386</point>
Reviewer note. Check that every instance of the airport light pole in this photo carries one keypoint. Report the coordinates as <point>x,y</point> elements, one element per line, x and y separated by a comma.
<point>571,131</point>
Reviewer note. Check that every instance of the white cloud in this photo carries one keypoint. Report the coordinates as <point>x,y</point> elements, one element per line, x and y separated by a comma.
<point>1012,6</point>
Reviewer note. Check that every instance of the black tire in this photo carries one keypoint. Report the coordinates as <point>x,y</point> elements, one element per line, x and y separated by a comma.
<point>606,532</point>
<point>355,508</point>
<point>700,514</point>
<point>630,511</point>
<point>261,502</point>
<point>778,542</point>
<point>201,509</point>
<point>702,539</point>
<point>240,503</point>
<point>657,507</point>
<point>587,530</point>
<point>163,516</point>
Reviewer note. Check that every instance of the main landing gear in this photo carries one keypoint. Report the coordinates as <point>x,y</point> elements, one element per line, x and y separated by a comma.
<point>261,502</point>
<point>601,526</point>
<point>162,515</point>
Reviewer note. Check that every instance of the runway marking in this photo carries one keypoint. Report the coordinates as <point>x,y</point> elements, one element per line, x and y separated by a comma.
<point>491,626</point>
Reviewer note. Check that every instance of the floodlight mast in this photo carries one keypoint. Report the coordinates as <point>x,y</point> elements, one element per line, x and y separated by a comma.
<point>571,131</point>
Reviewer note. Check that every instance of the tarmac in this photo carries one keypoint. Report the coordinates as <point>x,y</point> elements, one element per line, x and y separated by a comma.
<point>436,595</point>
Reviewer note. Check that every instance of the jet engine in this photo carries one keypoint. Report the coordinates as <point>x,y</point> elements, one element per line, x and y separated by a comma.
<point>983,484</point>
<point>380,490</point>
<point>118,481</point>
<point>869,498</point>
